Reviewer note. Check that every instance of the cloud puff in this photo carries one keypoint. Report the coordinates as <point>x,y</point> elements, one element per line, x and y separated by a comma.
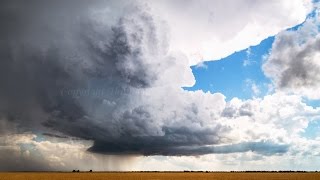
<point>278,117</point>
<point>293,62</point>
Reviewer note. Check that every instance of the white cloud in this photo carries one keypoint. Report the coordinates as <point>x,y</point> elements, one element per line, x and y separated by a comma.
<point>279,116</point>
<point>255,89</point>
<point>210,30</point>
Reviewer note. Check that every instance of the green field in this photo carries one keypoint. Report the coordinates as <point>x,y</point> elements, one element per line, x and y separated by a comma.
<point>156,175</point>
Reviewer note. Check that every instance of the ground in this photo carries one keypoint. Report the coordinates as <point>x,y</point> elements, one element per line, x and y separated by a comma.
<point>157,175</point>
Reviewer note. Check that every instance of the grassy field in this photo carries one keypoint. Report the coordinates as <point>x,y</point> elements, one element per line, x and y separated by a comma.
<point>156,176</point>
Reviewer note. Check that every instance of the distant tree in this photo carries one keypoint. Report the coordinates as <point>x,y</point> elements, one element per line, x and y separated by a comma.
<point>73,170</point>
<point>78,170</point>
<point>90,170</point>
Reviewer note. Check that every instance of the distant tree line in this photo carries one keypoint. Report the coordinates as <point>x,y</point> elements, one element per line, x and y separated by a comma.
<point>79,170</point>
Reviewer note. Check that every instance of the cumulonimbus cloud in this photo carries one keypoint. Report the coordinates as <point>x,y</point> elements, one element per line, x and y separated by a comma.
<point>108,71</point>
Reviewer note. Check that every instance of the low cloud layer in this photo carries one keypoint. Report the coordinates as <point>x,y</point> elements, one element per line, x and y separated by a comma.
<point>264,148</point>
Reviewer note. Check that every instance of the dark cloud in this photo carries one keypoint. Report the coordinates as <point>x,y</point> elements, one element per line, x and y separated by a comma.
<point>301,71</point>
<point>293,61</point>
<point>65,68</point>
<point>54,135</point>
<point>173,142</point>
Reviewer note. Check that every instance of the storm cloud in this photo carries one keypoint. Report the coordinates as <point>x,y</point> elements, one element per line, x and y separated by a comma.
<point>91,78</point>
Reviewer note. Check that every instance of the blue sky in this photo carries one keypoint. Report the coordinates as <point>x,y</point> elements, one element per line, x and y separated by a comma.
<point>313,130</point>
<point>234,75</point>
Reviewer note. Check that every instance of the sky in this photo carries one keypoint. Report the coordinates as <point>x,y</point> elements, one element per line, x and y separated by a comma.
<point>159,85</point>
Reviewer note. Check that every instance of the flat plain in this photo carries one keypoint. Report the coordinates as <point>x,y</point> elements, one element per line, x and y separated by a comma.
<point>157,176</point>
